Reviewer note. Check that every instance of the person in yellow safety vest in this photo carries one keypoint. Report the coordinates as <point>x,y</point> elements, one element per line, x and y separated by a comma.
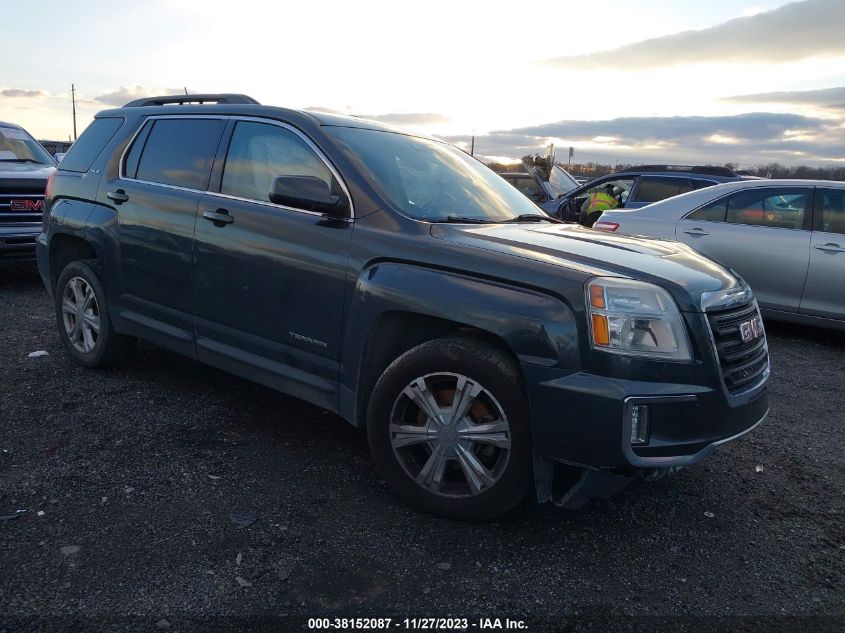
<point>600,200</point>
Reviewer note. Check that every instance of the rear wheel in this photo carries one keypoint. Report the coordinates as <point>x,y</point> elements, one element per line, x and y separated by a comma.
<point>448,428</point>
<point>83,318</point>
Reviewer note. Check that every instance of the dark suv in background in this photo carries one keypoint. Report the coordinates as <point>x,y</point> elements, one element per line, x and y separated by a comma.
<point>24,168</point>
<point>486,348</point>
<point>635,187</point>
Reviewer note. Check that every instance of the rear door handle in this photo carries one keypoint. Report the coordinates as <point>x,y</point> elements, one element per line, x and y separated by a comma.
<point>830,247</point>
<point>119,196</point>
<point>696,232</point>
<point>220,217</point>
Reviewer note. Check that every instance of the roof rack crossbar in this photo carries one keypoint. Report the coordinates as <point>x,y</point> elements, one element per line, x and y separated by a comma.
<point>196,98</point>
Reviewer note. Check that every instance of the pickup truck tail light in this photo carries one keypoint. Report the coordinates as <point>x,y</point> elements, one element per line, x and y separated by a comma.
<point>603,225</point>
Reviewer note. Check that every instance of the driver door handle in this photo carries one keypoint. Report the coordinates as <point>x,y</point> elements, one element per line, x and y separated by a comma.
<point>696,232</point>
<point>220,217</point>
<point>830,247</point>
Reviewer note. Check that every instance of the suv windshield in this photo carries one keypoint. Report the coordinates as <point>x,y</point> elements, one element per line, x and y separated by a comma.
<point>18,146</point>
<point>432,181</point>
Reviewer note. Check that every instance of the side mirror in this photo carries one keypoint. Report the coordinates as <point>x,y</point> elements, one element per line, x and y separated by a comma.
<point>309,193</point>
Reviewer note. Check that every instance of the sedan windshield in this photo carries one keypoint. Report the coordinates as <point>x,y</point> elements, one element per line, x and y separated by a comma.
<point>19,147</point>
<point>561,182</point>
<point>432,181</point>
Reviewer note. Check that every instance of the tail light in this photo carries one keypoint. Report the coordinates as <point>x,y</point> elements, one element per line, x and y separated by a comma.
<point>48,198</point>
<point>603,225</point>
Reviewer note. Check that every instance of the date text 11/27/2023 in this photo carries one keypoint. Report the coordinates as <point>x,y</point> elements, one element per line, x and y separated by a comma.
<point>417,624</point>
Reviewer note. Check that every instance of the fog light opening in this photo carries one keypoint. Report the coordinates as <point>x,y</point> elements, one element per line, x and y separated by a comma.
<point>639,424</point>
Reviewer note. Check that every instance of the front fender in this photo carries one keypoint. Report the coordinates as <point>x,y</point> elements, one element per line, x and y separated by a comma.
<point>538,328</point>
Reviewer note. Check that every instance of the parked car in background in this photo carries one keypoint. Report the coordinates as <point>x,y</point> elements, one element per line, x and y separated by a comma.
<point>24,168</point>
<point>534,184</point>
<point>487,349</point>
<point>635,187</point>
<point>786,238</point>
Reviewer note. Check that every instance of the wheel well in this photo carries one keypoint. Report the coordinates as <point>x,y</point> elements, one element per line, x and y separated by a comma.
<point>65,249</point>
<point>395,333</point>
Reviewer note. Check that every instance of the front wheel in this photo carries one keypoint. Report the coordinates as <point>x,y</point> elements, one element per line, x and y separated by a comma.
<point>448,428</point>
<point>83,318</point>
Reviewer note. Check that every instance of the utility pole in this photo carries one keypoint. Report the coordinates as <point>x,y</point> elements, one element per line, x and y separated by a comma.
<point>73,101</point>
<point>472,146</point>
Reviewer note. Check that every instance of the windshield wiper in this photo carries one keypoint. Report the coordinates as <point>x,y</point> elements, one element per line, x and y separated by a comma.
<point>460,219</point>
<point>21,160</point>
<point>533,217</point>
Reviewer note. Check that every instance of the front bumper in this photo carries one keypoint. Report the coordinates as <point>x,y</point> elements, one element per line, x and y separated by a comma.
<point>17,244</point>
<point>584,419</point>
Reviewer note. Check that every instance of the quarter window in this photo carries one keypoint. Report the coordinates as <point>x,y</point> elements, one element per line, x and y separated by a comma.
<point>259,153</point>
<point>713,212</point>
<point>833,211</point>
<point>772,207</point>
<point>177,152</point>
<point>85,150</point>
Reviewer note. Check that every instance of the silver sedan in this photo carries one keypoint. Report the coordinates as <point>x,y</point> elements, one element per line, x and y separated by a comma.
<point>785,237</point>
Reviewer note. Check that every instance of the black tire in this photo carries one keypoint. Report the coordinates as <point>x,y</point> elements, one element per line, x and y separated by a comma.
<point>109,347</point>
<point>500,379</point>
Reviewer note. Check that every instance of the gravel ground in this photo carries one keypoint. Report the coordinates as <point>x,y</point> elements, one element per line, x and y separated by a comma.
<point>137,470</point>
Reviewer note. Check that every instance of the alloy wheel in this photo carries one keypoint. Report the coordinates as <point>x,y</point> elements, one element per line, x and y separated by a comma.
<point>80,314</point>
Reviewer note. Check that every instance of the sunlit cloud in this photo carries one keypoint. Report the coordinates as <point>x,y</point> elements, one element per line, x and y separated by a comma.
<point>800,30</point>
<point>27,94</point>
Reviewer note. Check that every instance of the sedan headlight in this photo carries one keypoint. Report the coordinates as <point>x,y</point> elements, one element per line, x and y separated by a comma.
<point>636,318</point>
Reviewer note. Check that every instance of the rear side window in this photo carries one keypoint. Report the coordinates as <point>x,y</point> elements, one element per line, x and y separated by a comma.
<point>656,188</point>
<point>87,147</point>
<point>177,152</point>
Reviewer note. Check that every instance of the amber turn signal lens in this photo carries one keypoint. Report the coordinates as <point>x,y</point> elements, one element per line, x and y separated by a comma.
<point>597,297</point>
<point>601,336</point>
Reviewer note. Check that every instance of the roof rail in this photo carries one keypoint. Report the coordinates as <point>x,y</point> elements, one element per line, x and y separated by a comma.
<point>198,98</point>
<point>698,169</point>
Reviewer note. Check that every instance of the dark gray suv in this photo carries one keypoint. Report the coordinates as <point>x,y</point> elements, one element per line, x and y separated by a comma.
<point>487,349</point>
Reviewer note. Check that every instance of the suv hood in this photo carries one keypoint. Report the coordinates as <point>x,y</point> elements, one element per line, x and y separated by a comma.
<point>672,265</point>
<point>22,171</point>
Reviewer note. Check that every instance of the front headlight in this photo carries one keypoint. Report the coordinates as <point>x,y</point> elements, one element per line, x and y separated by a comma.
<point>636,318</point>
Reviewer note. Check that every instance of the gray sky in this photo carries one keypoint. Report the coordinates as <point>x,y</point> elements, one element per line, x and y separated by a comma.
<point>723,81</point>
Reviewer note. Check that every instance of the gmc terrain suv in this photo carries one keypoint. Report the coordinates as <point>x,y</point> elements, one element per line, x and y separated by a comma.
<point>24,168</point>
<point>487,349</point>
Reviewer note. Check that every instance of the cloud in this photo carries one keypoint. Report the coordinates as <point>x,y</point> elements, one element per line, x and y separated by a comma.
<point>17,92</point>
<point>831,98</point>
<point>125,94</point>
<point>795,31</point>
<point>409,118</point>
<point>748,138</point>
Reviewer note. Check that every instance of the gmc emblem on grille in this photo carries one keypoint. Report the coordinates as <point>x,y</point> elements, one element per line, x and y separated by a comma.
<point>27,206</point>
<point>751,329</point>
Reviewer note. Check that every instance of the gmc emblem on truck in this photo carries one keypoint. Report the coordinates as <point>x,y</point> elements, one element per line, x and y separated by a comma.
<point>27,206</point>
<point>751,329</point>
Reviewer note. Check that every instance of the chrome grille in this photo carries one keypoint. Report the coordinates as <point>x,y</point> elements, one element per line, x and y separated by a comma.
<point>21,201</point>
<point>743,364</point>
